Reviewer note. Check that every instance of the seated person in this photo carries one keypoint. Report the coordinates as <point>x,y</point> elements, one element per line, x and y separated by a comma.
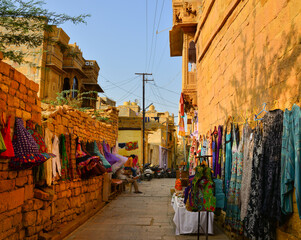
<point>120,175</point>
<point>130,164</point>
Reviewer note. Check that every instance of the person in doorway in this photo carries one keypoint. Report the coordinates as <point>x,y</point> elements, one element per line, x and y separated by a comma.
<point>120,175</point>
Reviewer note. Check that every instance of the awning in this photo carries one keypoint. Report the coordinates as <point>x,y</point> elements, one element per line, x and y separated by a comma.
<point>93,87</point>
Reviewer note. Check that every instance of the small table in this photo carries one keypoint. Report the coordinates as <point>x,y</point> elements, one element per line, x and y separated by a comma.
<point>187,222</point>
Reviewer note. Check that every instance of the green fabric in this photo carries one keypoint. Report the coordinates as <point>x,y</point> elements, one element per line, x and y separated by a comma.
<point>105,163</point>
<point>202,190</point>
<point>291,160</point>
<point>64,158</point>
<point>2,144</point>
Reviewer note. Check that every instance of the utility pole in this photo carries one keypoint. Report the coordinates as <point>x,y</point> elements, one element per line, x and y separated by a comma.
<point>143,111</point>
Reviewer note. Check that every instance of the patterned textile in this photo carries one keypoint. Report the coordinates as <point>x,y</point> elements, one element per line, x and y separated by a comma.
<point>256,226</point>
<point>30,126</point>
<point>233,201</point>
<point>131,146</point>
<point>2,144</point>
<point>218,163</point>
<point>203,189</point>
<point>291,160</point>
<point>7,140</point>
<point>26,149</point>
<point>102,158</point>
<point>64,158</point>
<point>121,145</point>
<point>272,141</point>
<point>247,170</point>
<point>79,151</point>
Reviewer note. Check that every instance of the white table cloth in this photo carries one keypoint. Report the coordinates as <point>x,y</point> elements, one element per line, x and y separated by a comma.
<point>187,222</point>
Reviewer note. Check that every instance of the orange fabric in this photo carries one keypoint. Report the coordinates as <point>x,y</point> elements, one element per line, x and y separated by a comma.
<point>129,162</point>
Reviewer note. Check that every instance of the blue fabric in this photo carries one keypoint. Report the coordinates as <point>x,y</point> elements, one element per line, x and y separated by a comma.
<point>105,163</point>
<point>291,160</point>
<point>219,194</point>
<point>228,165</point>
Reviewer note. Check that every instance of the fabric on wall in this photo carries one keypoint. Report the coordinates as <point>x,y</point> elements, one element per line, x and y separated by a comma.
<point>291,160</point>
<point>48,164</point>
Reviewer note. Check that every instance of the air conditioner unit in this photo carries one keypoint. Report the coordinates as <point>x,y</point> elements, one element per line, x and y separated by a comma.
<point>87,63</point>
<point>91,63</point>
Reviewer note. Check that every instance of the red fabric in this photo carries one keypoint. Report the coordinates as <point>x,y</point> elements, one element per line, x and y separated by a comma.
<point>9,153</point>
<point>182,105</point>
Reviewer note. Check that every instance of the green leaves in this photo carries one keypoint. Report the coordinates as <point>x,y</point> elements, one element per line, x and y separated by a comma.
<point>22,24</point>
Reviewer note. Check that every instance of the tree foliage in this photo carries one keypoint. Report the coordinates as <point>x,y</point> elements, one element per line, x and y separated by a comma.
<point>23,22</point>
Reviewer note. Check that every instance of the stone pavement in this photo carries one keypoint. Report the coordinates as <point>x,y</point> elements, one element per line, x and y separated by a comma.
<point>137,216</point>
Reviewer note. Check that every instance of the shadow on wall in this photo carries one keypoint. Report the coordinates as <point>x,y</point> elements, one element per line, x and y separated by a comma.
<point>272,75</point>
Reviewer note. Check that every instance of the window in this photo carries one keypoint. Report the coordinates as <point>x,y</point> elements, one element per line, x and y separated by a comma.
<point>66,86</point>
<point>74,87</point>
<point>192,56</point>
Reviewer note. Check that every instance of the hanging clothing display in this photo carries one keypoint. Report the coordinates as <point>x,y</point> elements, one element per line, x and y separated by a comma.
<point>228,165</point>
<point>199,195</point>
<point>248,139</point>
<point>218,163</point>
<point>48,164</point>
<point>56,161</point>
<point>256,226</point>
<point>233,200</point>
<point>2,144</point>
<point>64,158</point>
<point>5,132</point>
<point>272,141</point>
<point>291,160</point>
<point>26,150</point>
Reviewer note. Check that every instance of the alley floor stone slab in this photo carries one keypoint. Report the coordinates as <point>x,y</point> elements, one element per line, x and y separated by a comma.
<point>147,216</point>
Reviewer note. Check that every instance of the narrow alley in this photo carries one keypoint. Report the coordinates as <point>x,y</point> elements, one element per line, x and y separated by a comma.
<point>134,216</point>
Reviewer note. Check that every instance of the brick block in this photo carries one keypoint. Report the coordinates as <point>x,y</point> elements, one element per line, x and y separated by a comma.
<point>17,219</point>
<point>21,181</point>
<point>37,204</point>
<point>34,86</point>
<point>11,91</point>
<point>14,85</point>
<point>7,185</point>
<point>19,77</point>
<point>29,191</point>
<point>16,198</point>
<point>3,175</point>
<point>12,174</point>
<point>16,102</point>
<point>42,195</point>
<point>29,218</point>
<point>22,89</point>
<point>4,201</point>
<point>26,115</point>
<point>22,105</point>
<point>27,206</point>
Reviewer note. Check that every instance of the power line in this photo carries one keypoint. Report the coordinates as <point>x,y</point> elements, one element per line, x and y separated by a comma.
<point>160,16</point>
<point>151,50</point>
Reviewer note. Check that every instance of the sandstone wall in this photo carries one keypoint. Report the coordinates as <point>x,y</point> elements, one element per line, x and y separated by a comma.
<point>25,211</point>
<point>249,52</point>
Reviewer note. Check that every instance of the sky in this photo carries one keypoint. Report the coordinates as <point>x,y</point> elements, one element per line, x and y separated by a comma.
<point>127,37</point>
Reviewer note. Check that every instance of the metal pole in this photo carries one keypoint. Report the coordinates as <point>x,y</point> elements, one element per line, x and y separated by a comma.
<point>143,112</point>
<point>199,224</point>
<point>143,118</point>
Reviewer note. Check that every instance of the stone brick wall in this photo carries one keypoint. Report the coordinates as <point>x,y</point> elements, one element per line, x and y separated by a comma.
<point>248,53</point>
<point>25,211</point>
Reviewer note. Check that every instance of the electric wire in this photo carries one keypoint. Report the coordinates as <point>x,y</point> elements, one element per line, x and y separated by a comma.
<point>159,103</point>
<point>153,33</point>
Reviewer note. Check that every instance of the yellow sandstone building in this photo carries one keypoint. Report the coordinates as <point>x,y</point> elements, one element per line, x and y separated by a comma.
<point>58,65</point>
<point>236,56</point>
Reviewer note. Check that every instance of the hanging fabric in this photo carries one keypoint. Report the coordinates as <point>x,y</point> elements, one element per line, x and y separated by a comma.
<point>218,166</point>
<point>256,226</point>
<point>26,149</point>
<point>56,161</point>
<point>48,164</point>
<point>291,160</point>
<point>248,139</point>
<point>233,200</point>
<point>228,164</point>
<point>272,141</point>
<point>64,158</point>
<point>5,131</point>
